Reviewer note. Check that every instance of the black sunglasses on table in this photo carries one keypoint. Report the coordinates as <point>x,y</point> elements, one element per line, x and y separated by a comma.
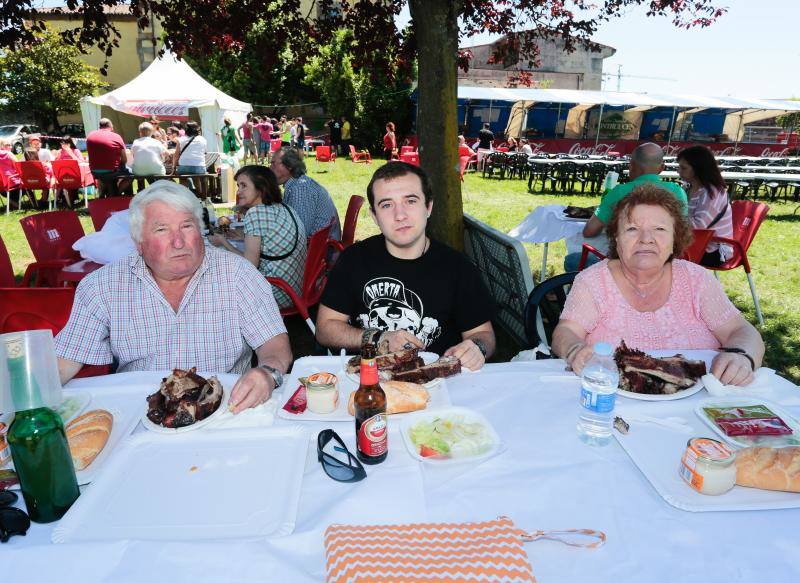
<point>341,470</point>
<point>12,520</point>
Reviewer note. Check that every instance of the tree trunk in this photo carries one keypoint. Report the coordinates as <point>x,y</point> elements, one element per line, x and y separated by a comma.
<point>435,25</point>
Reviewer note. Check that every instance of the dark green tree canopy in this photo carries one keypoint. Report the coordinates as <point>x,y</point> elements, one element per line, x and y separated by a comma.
<point>46,77</point>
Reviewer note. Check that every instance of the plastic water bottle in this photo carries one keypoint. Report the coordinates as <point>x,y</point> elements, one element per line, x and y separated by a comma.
<point>599,383</point>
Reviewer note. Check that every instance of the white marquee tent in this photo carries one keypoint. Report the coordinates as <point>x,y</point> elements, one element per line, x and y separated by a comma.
<point>169,87</point>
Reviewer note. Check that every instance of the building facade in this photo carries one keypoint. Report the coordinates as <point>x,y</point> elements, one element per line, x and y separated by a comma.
<point>581,69</point>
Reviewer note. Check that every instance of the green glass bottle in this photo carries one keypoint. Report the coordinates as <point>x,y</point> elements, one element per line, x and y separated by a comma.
<point>39,449</point>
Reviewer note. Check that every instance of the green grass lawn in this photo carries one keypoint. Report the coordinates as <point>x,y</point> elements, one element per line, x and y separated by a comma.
<point>504,203</point>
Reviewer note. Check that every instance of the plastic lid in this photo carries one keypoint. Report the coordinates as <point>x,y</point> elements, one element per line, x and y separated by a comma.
<point>28,371</point>
<point>603,349</point>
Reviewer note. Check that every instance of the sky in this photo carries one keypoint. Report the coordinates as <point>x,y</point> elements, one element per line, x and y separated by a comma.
<point>752,51</point>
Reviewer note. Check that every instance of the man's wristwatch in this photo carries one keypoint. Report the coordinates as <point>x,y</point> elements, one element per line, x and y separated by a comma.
<point>481,346</point>
<point>276,375</point>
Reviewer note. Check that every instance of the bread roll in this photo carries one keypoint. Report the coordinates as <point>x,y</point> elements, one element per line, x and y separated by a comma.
<point>769,468</point>
<point>87,436</point>
<point>400,397</point>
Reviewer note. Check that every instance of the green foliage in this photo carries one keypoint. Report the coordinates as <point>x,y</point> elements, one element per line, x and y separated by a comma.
<point>265,67</point>
<point>47,78</point>
<point>369,96</point>
<point>331,72</point>
<point>789,120</point>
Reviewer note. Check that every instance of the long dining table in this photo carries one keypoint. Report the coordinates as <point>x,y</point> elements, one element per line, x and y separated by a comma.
<point>543,478</point>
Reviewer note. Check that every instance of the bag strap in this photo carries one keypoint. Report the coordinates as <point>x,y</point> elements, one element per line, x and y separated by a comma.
<point>184,148</point>
<point>563,536</point>
<point>718,218</point>
<point>266,257</point>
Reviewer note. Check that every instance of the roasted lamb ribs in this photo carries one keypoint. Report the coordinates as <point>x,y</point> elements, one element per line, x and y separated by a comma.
<point>641,373</point>
<point>184,398</point>
<point>408,366</point>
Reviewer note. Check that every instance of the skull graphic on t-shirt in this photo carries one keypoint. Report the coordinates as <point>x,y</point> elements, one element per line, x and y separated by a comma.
<point>391,306</point>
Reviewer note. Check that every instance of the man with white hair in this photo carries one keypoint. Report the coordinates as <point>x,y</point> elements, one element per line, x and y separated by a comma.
<point>177,304</point>
<point>647,162</point>
<point>148,153</point>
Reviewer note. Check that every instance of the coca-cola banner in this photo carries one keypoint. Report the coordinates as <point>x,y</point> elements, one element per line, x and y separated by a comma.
<point>623,147</point>
<point>161,109</point>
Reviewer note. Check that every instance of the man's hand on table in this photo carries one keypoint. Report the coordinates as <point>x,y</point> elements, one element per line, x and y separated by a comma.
<point>732,368</point>
<point>252,389</point>
<point>468,353</point>
<point>401,339</point>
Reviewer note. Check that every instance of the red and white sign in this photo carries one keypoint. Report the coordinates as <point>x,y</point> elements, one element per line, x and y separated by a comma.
<point>161,109</point>
<point>623,147</point>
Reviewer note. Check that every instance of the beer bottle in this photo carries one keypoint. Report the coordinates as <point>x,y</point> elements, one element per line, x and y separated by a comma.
<point>370,412</point>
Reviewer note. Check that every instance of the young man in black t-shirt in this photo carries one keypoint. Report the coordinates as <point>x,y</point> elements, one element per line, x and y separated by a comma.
<point>401,284</point>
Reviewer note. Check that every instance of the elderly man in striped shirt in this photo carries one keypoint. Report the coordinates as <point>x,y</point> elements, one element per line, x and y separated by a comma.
<point>177,304</point>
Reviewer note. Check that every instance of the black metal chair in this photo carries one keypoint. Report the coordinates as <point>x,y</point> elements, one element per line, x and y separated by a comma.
<point>517,165</point>
<point>495,161</point>
<point>544,306</point>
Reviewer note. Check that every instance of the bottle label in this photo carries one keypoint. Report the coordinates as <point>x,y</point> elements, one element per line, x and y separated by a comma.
<point>597,402</point>
<point>373,436</point>
<point>369,372</point>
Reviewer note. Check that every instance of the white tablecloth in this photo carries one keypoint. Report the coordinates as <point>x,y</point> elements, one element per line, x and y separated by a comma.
<point>546,479</point>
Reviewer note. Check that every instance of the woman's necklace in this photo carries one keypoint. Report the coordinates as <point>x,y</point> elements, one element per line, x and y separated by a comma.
<point>635,286</point>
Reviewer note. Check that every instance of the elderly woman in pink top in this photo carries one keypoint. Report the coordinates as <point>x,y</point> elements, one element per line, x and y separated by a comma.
<point>642,295</point>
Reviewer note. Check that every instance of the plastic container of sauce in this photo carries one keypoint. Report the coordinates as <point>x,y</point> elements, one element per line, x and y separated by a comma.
<point>707,466</point>
<point>322,392</point>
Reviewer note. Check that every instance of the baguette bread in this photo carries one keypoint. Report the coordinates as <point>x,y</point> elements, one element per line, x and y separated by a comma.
<point>769,468</point>
<point>87,436</point>
<point>400,397</point>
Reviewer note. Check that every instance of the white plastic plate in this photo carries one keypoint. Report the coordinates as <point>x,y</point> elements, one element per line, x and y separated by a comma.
<point>469,415</point>
<point>705,355</point>
<point>696,388</point>
<point>125,421</point>
<point>750,441</point>
<point>197,486</point>
<point>198,425</point>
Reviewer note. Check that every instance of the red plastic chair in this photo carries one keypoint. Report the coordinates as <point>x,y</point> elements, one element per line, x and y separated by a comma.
<point>350,221</point>
<point>463,163</point>
<point>51,236</point>
<point>410,158</point>
<point>324,154</point>
<point>7,278</point>
<point>360,156</point>
<point>700,240</point>
<point>6,190</point>
<point>585,255</point>
<point>35,177</point>
<point>315,277</point>
<point>70,175</point>
<point>40,309</point>
<point>747,217</point>
<point>100,209</point>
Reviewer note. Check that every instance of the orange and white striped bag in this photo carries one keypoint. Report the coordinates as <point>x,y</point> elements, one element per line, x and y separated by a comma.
<point>474,551</point>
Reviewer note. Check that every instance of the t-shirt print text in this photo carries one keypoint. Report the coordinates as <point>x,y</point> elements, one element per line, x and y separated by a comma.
<point>391,306</point>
